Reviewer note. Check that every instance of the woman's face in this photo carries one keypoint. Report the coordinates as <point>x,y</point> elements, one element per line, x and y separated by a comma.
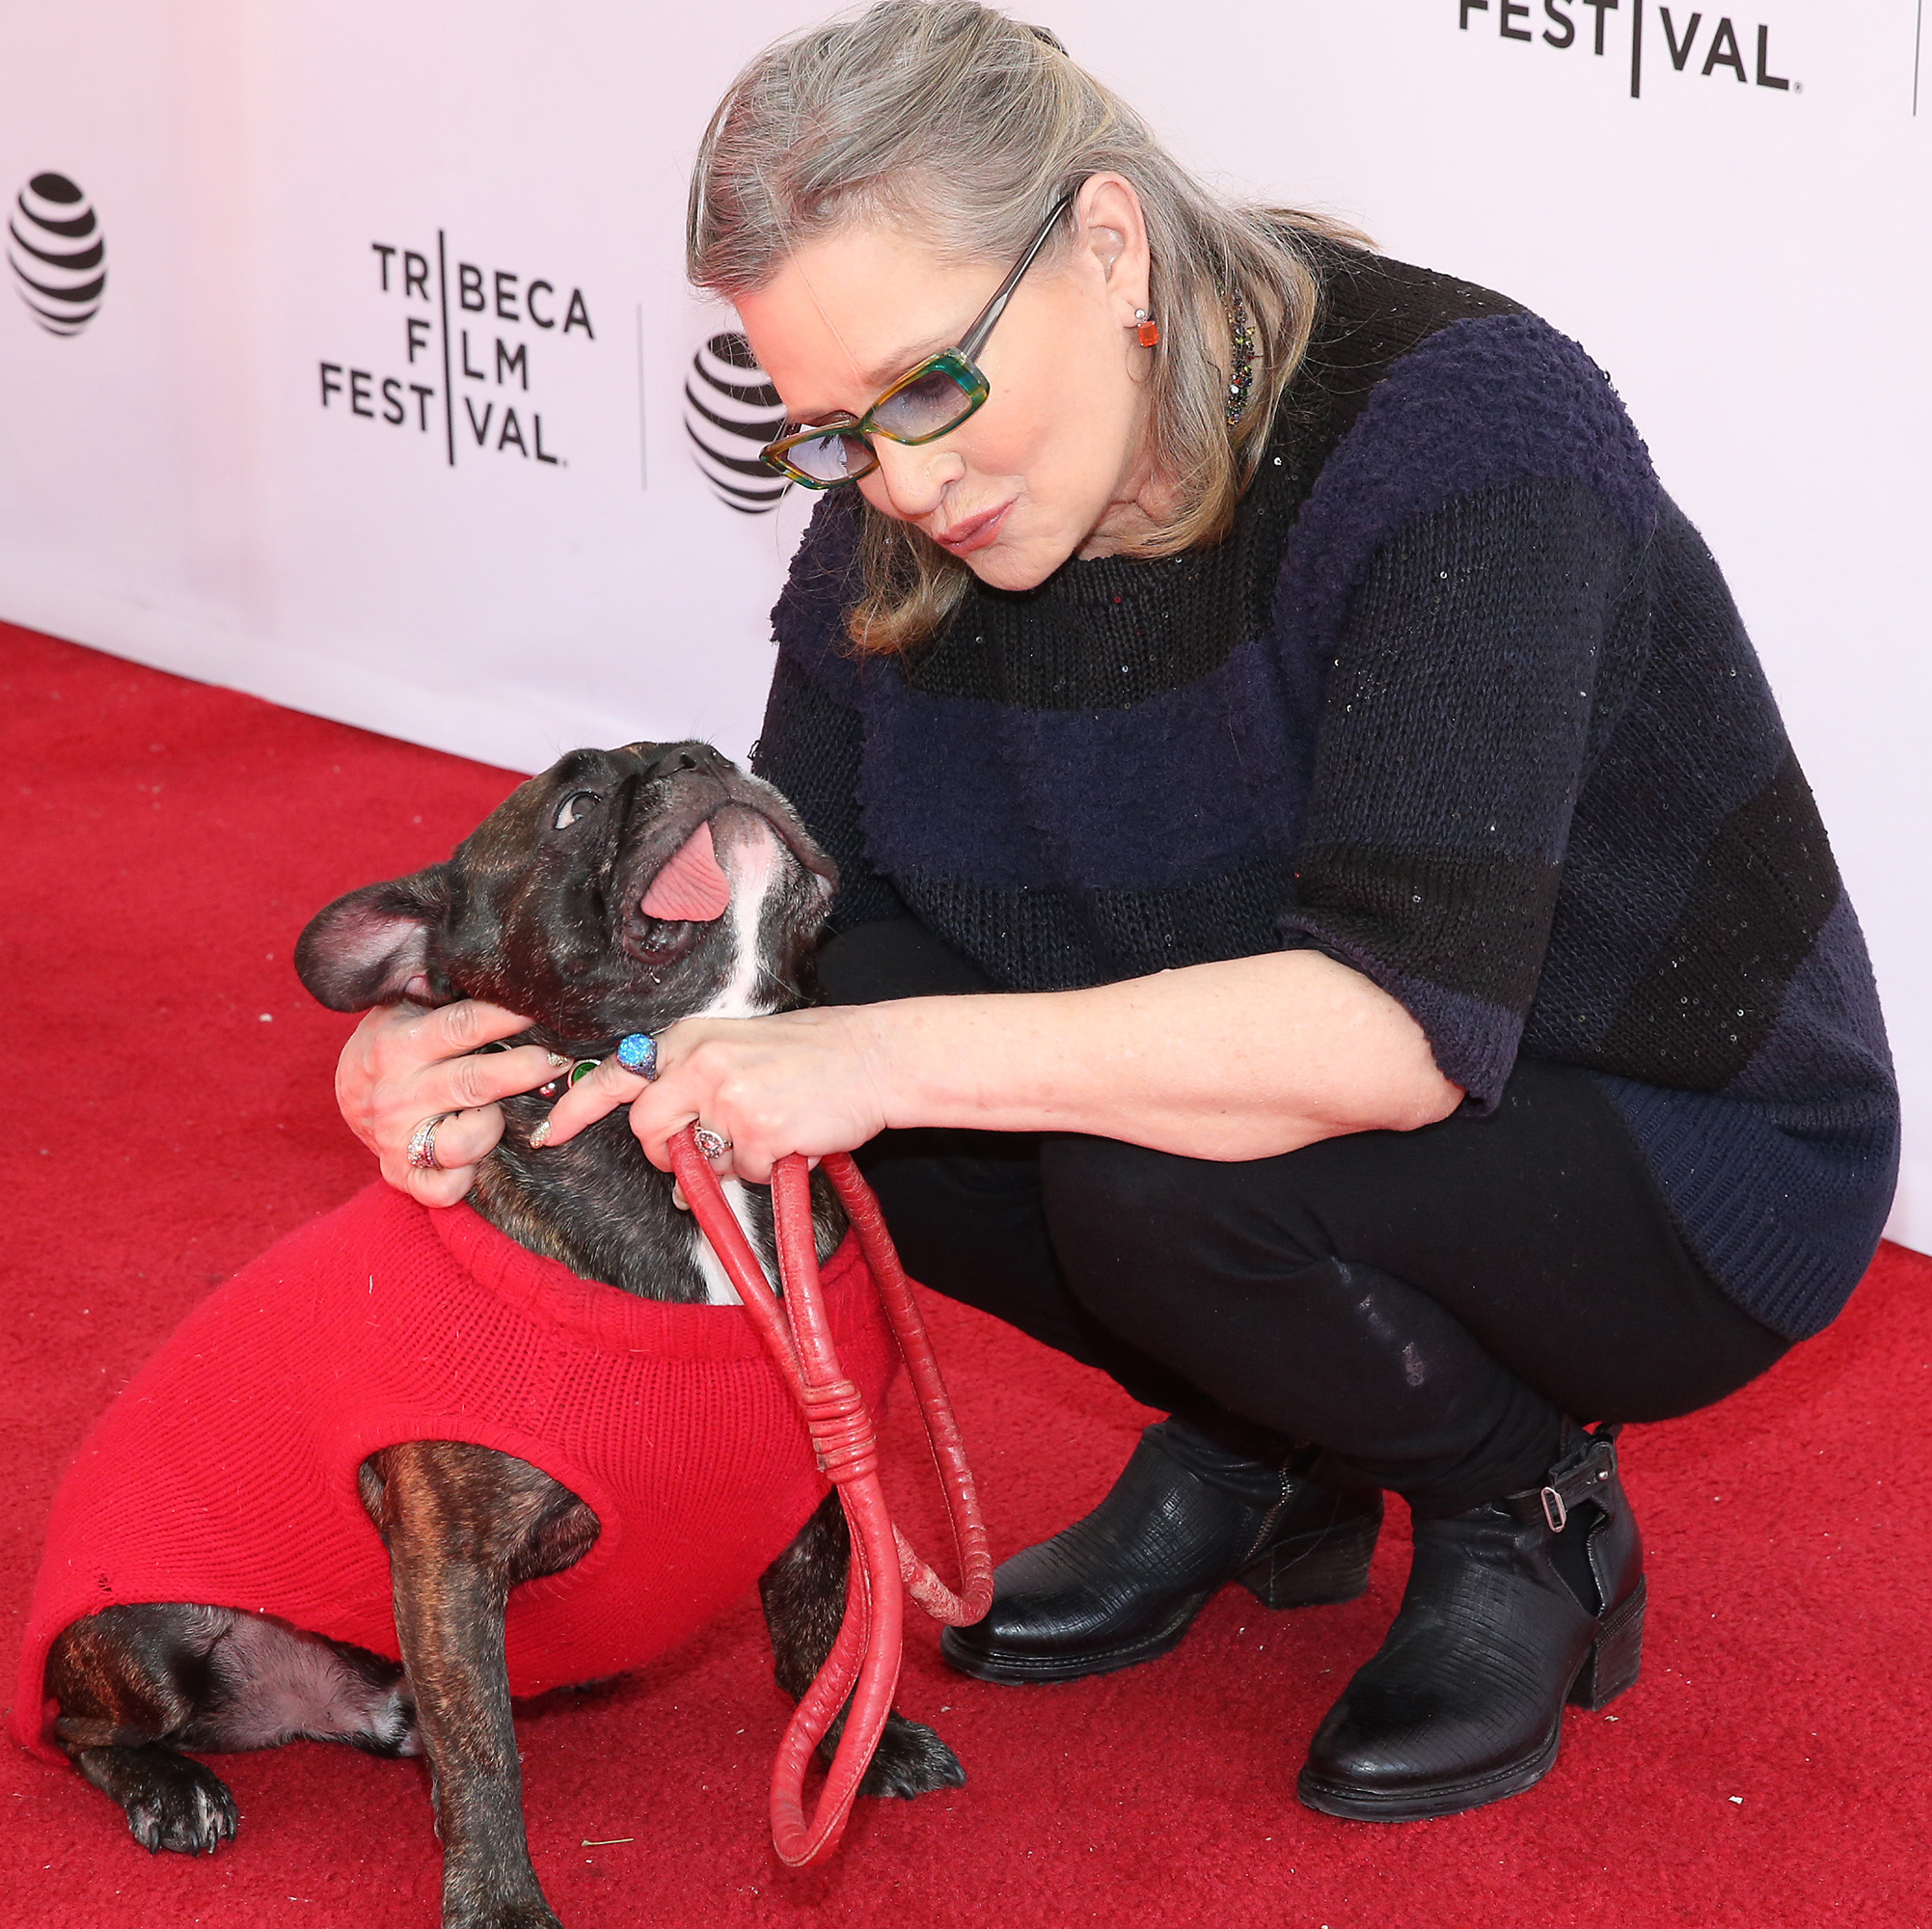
<point>1050,465</point>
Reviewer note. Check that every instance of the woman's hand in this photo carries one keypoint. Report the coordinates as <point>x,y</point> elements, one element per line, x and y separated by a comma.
<point>403,1065</point>
<point>800,1082</point>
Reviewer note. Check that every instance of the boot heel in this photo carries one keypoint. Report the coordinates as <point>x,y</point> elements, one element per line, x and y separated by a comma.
<point>1317,1569</point>
<point>1615,1657</point>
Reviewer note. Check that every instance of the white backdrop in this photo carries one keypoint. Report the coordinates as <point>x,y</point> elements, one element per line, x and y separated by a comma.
<point>299,204</point>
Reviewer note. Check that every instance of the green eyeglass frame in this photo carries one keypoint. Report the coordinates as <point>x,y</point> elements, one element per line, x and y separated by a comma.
<point>842,451</point>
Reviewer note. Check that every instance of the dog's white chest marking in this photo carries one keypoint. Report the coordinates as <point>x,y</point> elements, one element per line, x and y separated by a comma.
<point>753,860</point>
<point>717,1288</point>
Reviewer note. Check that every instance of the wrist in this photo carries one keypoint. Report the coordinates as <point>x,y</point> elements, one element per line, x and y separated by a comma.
<point>875,1039</point>
<point>928,1058</point>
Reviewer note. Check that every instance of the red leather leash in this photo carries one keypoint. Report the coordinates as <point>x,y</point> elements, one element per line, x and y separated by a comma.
<point>865,1659</point>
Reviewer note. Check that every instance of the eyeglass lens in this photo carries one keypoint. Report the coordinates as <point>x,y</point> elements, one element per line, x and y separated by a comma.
<point>831,457</point>
<point>926,407</point>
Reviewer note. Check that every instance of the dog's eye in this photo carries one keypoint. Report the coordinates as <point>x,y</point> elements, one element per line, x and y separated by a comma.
<point>574,806</point>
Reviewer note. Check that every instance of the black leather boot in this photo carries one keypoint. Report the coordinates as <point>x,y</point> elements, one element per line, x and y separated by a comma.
<point>1184,1518</point>
<point>1511,1609</point>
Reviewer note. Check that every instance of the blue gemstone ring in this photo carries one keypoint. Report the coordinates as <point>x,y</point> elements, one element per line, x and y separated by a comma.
<point>638,1053</point>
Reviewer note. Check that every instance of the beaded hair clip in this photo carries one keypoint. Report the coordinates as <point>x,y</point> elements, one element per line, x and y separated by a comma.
<point>1241,369</point>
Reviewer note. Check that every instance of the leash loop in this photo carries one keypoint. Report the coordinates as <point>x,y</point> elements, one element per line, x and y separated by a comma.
<point>884,1567</point>
<point>841,1432</point>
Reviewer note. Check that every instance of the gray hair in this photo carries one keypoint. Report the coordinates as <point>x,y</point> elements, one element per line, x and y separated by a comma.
<point>950,119</point>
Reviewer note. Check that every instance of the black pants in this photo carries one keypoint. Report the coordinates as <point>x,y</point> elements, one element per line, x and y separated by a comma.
<point>1429,1306</point>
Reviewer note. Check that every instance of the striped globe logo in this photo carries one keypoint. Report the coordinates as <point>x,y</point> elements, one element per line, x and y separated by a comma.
<point>731,412</point>
<point>54,247</point>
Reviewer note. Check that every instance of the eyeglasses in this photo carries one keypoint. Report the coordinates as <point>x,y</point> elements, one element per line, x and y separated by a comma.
<point>929,401</point>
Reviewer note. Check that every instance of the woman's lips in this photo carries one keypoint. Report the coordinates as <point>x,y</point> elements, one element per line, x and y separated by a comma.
<point>974,533</point>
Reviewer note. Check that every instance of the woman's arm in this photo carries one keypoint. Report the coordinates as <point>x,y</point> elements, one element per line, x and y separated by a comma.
<point>1241,1059</point>
<point>1236,1059</point>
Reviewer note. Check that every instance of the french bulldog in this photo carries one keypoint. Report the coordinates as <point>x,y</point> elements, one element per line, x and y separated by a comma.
<point>616,893</point>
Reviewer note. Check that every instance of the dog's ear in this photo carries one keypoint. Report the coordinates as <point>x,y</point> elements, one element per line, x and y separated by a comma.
<point>372,946</point>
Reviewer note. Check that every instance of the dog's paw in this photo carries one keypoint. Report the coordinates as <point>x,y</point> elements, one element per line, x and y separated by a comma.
<point>910,1759</point>
<point>172,1802</point>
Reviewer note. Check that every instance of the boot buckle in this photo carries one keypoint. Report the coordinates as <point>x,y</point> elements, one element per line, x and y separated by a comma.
<point>1578,1477</point>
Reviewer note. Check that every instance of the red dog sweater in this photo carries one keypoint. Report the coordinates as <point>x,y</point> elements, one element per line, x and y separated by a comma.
<point>224,1473</point>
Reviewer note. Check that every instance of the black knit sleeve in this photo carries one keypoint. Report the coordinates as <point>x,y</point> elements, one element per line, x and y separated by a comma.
<point>1455,727</point>
<point>809,749</point>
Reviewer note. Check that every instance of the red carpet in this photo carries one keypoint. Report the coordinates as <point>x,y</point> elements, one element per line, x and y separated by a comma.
<point>172,1115</point>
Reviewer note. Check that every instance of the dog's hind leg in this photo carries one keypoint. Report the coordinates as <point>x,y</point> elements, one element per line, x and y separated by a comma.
<point>128,1680</point>
<point>803,1596</point>
<point>137,1684</point>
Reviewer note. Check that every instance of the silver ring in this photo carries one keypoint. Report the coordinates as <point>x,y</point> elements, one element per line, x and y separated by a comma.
<point>713,1145</point>
<point>422,1153</point>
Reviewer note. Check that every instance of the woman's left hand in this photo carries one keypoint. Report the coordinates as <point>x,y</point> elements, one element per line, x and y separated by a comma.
<point>806,1082</point>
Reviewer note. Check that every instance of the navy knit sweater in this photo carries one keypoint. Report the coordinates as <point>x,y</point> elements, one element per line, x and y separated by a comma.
<point>1462,702</point>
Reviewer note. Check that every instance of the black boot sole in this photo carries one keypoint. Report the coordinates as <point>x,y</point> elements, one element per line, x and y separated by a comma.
<point>1610,1668</point>
<point>1424,1805</point>
<point>1321,1569</point>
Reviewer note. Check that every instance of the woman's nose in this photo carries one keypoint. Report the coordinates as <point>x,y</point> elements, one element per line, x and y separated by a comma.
<point>914,480</point>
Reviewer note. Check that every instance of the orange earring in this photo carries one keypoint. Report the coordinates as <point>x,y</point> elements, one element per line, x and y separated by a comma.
<point>1150,329</point>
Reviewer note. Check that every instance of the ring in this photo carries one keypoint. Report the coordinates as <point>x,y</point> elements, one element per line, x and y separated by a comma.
<point>422,1153</point>
<point>638,1053</point>
<point>713,1145</point>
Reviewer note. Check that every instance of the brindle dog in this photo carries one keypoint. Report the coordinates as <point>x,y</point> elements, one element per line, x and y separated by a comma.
<point>540,909</point>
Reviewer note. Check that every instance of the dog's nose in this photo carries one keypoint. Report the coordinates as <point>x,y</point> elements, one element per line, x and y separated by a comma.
<point>684,757</point>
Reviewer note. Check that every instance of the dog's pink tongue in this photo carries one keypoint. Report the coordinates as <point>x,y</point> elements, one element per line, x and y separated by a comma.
<point>690,886</point>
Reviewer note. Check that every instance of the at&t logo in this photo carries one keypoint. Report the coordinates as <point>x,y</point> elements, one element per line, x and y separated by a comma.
<point>730,412</point>
<point>57,254</point>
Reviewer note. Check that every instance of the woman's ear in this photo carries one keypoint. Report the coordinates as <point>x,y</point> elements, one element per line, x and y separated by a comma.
<point>1113,230</point>
<point>372,946</point>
